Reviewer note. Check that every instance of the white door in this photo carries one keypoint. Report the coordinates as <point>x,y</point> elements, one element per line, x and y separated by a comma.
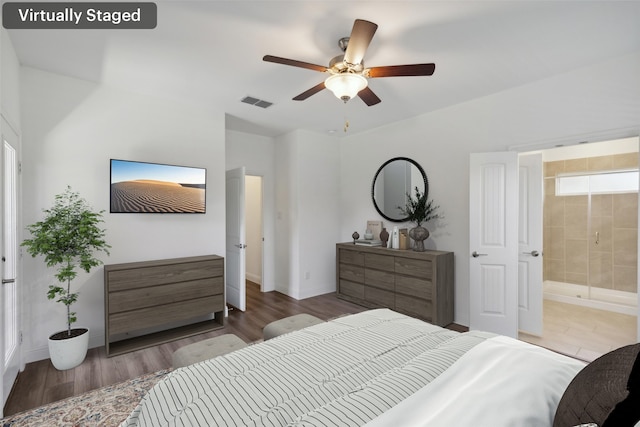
<point>235,256</point>
<point>530,244</point>
<point>9,298</point>
<point>493,239</point>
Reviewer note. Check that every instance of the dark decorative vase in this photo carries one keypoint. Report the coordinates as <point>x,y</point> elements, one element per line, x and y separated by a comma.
<point>384,236</point>
<point>419,234</point>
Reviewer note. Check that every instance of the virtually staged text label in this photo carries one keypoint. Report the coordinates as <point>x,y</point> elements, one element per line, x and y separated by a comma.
<point>16,15</point>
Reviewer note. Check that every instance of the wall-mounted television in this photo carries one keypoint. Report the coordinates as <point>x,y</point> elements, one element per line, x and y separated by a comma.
<point>141,187</point>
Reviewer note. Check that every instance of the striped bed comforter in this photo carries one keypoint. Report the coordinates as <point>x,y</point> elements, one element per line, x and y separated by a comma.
<point>344,372</point>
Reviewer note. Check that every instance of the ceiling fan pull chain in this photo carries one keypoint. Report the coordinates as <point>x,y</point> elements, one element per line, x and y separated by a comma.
<point>346,119</point>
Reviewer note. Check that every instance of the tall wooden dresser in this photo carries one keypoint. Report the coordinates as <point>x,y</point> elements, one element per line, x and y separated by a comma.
<point>419,284</point>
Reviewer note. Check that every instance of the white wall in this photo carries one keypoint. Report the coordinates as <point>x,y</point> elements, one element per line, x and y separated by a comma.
<point>603,98</point>
<point>287,249</point>
<point>9,82</point>
<point>257,154</point>
<point>308,213</point>
<point>318,212</point>
<point>71,130</point>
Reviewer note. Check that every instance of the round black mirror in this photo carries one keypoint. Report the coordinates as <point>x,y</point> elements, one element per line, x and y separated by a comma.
<point>392,182</point>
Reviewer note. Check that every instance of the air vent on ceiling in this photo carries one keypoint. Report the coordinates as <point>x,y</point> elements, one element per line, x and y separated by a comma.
<point>257,102</point>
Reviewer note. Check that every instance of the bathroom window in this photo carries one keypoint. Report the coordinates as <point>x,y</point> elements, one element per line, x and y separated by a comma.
<point>597,183</point>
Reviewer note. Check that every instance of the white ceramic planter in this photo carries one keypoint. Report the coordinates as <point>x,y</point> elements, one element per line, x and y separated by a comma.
<point>70,352</point>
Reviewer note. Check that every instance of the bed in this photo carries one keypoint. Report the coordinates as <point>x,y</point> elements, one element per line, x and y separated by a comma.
<point>375,368</point>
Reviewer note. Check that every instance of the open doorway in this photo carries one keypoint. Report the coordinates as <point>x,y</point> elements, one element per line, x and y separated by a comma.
<point>254,225</point>
<point>590,248</point>
<point>244,235</point>
<point>254,230</point>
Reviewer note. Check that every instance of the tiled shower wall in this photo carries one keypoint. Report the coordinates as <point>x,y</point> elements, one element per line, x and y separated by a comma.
<point>571,253</point>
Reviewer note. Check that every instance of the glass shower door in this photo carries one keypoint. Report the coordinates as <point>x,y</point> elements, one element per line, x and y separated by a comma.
<point>611,214</point>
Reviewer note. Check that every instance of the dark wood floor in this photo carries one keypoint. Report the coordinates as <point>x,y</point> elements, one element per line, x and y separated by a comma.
<point>41,383</point>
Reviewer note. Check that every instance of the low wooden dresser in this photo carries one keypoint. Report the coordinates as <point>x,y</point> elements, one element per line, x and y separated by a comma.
<point>419,284</point>
<point>152,302</point>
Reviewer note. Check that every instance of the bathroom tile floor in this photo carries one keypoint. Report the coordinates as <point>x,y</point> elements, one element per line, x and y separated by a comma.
<point>582,332</point>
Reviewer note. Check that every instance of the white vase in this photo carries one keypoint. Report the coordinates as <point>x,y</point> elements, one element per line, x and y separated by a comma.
<point>395,238</point>
<point>68,353</point>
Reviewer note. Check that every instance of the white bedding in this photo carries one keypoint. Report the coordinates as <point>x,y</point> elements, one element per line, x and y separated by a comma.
<point>500,382</point>
<point>349,371</point>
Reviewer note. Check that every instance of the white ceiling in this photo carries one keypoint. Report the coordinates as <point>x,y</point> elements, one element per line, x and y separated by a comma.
<point>210,53</point>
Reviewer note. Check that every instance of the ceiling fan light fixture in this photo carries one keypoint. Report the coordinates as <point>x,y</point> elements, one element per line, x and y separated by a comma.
<point>345,85</point>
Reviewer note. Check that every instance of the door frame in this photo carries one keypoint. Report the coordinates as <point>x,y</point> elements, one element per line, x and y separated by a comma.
<point>17,363</point>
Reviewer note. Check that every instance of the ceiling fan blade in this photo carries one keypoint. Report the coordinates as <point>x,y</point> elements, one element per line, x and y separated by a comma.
<point>361,35</point>
<point>307,93</point>
<point>369,97</point>
<point>294,63</point>
<point>402,70</point>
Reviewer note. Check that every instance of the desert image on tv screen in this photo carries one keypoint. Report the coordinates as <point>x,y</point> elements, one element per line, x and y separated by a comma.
<point>138,187</point>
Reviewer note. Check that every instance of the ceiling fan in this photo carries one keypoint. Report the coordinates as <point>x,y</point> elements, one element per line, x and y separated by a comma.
<point>348,75</point>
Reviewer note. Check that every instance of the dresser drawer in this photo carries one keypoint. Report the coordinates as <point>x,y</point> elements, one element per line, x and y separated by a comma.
<point>379,279</point>
<point>414,287</point>
<point>124,279</point>
<point>379,262</point>
<point>351,272</point>
<point>415,307</point>
<point>351,289</point>
<point>379,297</point>
<point>130,321</point>
<point>348,256</point>
<point>153,296</point>
<point>414,267</point>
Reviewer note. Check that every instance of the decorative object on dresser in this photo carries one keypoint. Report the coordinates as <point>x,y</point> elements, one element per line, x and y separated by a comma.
<point>355,236</point>
<point>419,284</point>
<point>395,238</point>
<point>153,302</point>
<point>368,242</point>
<point>419,210</point>
<point>404,238</point>
<point>384,237</point>
<point>375,227</point>
<point>68,237</point>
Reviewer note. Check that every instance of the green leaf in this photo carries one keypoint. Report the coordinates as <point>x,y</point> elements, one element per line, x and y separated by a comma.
<point>418,209</point>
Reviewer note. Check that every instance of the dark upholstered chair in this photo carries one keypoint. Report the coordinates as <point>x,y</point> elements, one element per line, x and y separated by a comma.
<point>598,388</point>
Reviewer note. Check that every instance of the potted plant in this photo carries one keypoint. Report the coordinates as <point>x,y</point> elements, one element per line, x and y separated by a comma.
<point>68,237</point>
<point>419,210</point>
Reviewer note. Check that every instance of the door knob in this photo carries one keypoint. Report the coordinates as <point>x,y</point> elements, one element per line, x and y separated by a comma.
<point>532,253</point>
<point>475,254</point>
<point>241,246</point>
